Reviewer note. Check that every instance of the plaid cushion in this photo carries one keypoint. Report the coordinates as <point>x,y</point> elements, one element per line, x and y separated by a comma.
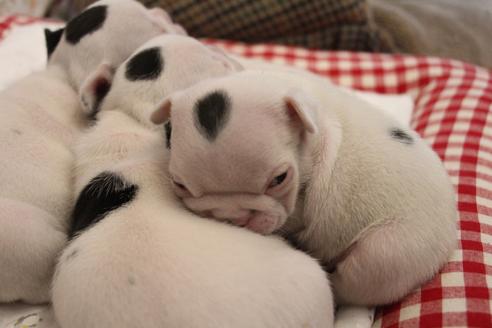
<point>453,113</point>
<point>322,24</point>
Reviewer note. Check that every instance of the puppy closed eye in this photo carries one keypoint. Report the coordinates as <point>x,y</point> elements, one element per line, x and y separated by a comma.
<point>278,180</point>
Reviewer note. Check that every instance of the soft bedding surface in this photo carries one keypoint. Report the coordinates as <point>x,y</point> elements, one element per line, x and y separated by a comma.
<point>453,113</point>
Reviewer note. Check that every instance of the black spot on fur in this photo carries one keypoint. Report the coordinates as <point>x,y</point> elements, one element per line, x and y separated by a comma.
<point>146,65</point>
<point>168,129</point>
<point>401,136</point>
<point>104,194</point>
<point>212,112</point>
<point>86,23</point>
<point>52,38</point>
<point>131,280</point>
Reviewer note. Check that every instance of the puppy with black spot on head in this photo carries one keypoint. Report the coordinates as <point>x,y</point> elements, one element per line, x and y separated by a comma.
<point>138,258</point>
<point>279,152</point>
<point>40,117</point>
<point>160,66</point>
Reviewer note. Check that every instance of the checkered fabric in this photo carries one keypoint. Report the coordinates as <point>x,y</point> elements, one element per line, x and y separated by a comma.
<point>453,113</point>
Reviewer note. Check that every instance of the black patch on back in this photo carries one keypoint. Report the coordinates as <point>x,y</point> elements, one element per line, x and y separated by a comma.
<point>401,136</point>
<point>211,114</point>
<point>146,65</point>
<point>86,23</point>
<point>168,129</point>
<point>104,194</point>
<point>52,38</point>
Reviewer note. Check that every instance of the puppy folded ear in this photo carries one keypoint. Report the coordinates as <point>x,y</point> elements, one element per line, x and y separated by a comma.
<point>162,113</point>
<point>302,108</point>
<point>229,62</point>
<point>162,19</point>
<point>95,87</point>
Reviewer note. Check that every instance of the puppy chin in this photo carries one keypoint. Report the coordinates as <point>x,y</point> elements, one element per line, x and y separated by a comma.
<point>264,223</point>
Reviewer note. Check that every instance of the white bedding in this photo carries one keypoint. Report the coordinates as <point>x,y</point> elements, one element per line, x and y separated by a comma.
<point>22,52</point>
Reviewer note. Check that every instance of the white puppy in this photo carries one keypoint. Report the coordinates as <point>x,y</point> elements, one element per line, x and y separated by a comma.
<point>160,66</point>
<point>40,117</point>
<point>284,152</point>
<point>141,260</point>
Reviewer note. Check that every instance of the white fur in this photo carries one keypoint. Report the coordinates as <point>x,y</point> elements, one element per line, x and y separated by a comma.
<point>38,124</point>
<point>40,117</point>
<point>154,264</point>
<point>380,212</point>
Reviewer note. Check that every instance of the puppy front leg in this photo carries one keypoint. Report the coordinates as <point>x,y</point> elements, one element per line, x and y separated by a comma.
<point>29,246</point>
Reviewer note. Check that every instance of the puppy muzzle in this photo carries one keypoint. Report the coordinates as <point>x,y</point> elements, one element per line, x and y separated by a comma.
<point>259,213</point>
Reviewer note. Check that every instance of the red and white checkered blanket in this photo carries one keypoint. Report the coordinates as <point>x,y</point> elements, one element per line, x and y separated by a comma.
<point>453,113</point>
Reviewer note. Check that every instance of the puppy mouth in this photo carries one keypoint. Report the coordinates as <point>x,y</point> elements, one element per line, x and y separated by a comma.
<point>240,222</point>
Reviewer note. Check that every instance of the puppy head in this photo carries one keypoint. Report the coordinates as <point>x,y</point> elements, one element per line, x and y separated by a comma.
<point>107,31</point>
<point>235,147</point>
<point>161,66</point>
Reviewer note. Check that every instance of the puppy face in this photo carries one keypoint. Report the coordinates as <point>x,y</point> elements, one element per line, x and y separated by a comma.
<point>235,144</point>
<point>163,65</point>
<point>107,31</point>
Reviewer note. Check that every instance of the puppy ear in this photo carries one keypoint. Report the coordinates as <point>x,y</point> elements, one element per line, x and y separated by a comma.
<point>52,38</point>
<point>162,113</point>
<point>226,60</point>
<point>302,108</point>
<point>95,87</point>
<point>162,19</point>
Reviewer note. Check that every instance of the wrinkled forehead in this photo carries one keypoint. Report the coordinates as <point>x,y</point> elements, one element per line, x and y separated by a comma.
<point>237,101</point>
<point>221,137</point>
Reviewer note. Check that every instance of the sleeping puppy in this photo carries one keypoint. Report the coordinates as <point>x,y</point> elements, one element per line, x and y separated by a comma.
<point>40,118</point>
<point>108,31</point>
<point>278,152</point>
<point>139,259</point>
<point>164,64</point>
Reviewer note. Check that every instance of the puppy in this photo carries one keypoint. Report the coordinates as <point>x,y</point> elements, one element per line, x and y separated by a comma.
<point>162,65</point>
<point>287,153</point>
<point>140,259</point>
<point>40,118</point>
